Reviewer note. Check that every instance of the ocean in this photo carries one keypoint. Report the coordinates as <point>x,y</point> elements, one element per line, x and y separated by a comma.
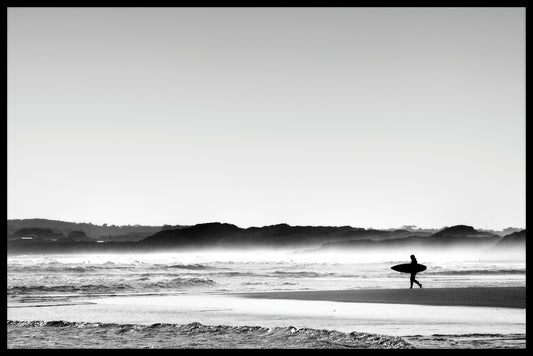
<point>39,283</point>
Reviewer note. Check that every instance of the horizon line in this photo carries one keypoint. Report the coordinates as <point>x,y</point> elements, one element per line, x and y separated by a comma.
<point>406,226</point>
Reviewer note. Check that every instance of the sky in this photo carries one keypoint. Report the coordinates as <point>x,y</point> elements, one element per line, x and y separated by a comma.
<point>368,117</point>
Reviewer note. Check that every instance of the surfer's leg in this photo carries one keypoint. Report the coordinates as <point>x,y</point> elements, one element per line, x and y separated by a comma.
<point>414,280</point>
<point>413,275</point>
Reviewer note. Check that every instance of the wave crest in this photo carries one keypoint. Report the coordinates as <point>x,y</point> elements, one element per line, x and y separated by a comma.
<point>141,284</point>
<point>189,335</point>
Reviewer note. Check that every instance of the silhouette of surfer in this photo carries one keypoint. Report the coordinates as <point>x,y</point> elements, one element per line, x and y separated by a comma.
<point>413,274</point>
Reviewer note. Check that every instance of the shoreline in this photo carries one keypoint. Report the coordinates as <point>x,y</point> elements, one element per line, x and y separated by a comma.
<point>499,297</point>
<point>454,325</point>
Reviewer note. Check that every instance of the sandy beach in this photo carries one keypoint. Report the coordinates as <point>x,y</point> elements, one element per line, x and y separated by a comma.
<point>497,320</point>
<point>500,297</point>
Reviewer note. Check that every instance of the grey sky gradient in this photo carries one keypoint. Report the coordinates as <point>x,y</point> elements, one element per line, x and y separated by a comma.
<point>370,117</point>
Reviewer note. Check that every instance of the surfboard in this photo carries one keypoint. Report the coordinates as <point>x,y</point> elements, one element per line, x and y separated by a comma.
<point>409,268</point>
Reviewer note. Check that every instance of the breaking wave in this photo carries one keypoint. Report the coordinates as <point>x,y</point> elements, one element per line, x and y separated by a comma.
<point>80,268</point>
<point>141,284</point>
<point>194,335</point>
<point>302,274</point>
<point>475,271</point>
<point>57,269</point>
<point>468,341</point>
<point>189,267</point>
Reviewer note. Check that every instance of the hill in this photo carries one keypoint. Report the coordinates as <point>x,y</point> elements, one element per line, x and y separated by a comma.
<point>516,239</point>
<point>455,236</point>
<point>280,235</point>
<point>92,231</point>
<point>223,235</point>
<point>509,247</point>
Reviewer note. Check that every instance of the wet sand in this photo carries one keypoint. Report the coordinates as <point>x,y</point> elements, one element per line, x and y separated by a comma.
<point>500,297</point>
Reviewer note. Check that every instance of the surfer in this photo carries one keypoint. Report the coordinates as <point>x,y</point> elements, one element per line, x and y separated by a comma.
<point>413,274</point>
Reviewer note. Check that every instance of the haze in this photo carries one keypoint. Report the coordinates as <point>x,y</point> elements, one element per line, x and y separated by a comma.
<point>368,117</point>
